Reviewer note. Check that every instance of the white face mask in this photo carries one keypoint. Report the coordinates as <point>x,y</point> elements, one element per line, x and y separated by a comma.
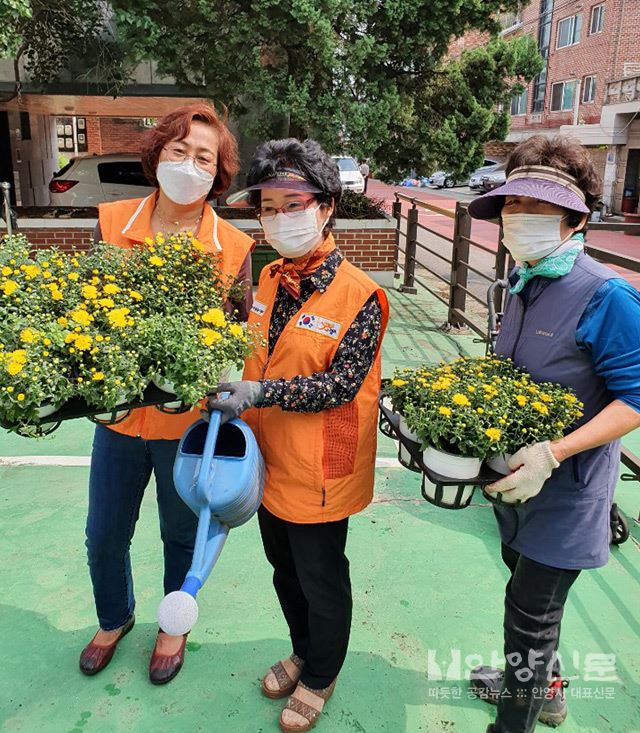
<point>293,235</point>
<point>183,182</point>
<point>531,237</point>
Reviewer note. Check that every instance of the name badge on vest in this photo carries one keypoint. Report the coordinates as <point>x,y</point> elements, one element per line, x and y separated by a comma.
<point>309,322</point>
<point>258,308</point>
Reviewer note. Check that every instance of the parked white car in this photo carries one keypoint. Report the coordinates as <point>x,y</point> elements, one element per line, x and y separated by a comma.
<point>350,175</point>
<point>89,181</point>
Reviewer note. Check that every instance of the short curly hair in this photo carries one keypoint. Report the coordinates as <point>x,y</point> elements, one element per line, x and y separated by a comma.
<point>565,154</point>
<point>176,126</point>
<point>307,157</point>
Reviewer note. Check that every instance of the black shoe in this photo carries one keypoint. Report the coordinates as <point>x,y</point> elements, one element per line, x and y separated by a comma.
<point>486,683</point>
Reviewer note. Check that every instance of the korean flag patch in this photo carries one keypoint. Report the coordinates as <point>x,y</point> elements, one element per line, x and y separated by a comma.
<point>321,325</point>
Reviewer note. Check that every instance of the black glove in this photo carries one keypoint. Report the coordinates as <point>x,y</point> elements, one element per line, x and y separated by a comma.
<point>242,396</point>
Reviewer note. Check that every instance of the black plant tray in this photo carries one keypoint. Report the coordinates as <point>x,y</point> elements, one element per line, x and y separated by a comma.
<point>389,426</point>
<point>77,407</point>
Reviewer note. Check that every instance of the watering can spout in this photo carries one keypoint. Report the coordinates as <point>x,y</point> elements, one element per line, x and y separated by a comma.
<point>221,478</point>
<point>210,539</point>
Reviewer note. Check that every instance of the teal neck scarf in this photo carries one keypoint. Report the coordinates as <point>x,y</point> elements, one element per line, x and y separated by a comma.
<point>552,266</point>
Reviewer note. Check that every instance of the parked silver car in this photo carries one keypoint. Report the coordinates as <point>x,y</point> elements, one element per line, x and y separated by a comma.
<point>492,180</point>
<point>442,179</point>
<point>475,179</point>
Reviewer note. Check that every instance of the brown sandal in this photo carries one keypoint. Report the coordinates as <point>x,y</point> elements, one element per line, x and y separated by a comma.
<point>286,683</point>
<point>306,703</point>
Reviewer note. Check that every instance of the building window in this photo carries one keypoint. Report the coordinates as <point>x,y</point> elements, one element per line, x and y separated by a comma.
<point>562,96</point>
<point>569,30</point>
<point>539,89</point>
<point>597,19</point>
<point>519,103</point>
<point>588,89</point>
<point>509,21</point>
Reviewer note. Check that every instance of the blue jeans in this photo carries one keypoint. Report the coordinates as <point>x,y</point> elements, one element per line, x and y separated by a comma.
<point>121,468</point>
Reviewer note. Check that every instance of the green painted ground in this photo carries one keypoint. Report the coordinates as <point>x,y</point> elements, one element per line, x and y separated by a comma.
<point>427,585</point>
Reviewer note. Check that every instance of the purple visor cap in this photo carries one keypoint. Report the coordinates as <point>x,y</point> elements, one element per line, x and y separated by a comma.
<point>490,204</point>
<point>285,178</point>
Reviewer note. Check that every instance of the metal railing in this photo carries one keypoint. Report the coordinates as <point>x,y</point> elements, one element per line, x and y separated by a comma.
<point>407,233</point>
<point>459,265</point>
<point>407,259</point>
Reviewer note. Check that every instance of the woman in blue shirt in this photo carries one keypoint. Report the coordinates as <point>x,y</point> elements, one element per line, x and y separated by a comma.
<point>571,320</point>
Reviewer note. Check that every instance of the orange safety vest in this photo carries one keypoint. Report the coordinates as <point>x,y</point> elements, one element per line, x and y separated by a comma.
<point>126,223</point>
<point>319,466</point>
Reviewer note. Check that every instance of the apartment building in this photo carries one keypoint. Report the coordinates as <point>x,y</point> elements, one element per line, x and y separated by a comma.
<point>589,87</point>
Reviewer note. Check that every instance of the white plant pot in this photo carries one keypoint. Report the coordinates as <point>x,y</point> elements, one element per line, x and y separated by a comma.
<point>166,386</point>
<point>46,409</point>
<point>405,456</point>
<point>406,431</point>
<point>108,417</point>
<point>388,404</point>
<point>499,463</point>
<point>451,465</point>
<point>449,493</point>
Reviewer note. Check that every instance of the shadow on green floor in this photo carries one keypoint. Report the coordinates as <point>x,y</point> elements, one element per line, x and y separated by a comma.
<point>219,688</point>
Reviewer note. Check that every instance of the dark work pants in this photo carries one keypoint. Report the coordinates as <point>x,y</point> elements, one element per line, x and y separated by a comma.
<point>311,578</point>
<point>534,604</point>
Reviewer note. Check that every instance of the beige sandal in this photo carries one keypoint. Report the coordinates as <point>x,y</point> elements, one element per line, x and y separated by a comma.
<point>303,708</point>
<point>286,681</point>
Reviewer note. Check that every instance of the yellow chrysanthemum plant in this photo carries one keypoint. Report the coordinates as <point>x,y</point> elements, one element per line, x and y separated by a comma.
<point>101,326</point>
<point>34,376</point>
<point>407,386</point>
<point>485,406</point>
<point>190,355</point>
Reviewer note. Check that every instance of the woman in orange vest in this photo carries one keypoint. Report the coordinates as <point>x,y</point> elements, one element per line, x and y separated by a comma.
<point>191,156</point>
<point>312,390</point>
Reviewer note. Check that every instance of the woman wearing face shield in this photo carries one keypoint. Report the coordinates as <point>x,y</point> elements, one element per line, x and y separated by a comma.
<point>310,396</point>
<point>571,320</point>
<point>190,155</point>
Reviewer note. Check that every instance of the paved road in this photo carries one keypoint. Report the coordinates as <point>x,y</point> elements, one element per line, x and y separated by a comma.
<point>485,232</point>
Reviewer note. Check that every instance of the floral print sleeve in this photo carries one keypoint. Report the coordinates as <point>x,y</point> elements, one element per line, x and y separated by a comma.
<point>340,384</point>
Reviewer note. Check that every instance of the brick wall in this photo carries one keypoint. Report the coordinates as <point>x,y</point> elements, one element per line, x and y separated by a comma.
<point>114,135</point>
<point>602,55</point>
<point>498,150</point>
<point>371,249</point>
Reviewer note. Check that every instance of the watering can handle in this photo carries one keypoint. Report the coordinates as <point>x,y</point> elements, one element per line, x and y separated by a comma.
<point>204,484</point>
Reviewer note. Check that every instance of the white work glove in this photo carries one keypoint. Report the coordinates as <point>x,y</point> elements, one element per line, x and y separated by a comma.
<point>531,466</point>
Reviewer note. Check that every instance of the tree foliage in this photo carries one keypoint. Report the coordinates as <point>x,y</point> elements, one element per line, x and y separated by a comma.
<point>370,77</point>
<point>69,37</point>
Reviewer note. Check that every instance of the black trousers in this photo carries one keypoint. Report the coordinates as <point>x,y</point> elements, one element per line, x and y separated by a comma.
<point>533,608</point>
<point>311,578</point>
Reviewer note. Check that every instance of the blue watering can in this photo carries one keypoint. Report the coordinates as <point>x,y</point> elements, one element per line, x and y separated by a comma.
<point>219,474</point>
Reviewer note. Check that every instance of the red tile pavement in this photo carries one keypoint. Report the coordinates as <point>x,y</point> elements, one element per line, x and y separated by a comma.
<point>486,233</point>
